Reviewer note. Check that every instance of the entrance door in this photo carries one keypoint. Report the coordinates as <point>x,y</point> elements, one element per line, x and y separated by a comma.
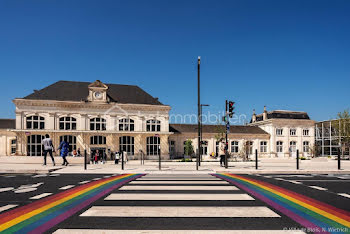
<point>101,152</point>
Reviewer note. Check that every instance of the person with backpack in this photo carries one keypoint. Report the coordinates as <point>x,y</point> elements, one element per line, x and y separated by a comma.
<point>64,149</point>
<point>48,148</point>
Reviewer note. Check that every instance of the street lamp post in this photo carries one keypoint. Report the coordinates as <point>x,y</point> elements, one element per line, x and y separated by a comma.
<point>199,112</point>
<point>201,133</point>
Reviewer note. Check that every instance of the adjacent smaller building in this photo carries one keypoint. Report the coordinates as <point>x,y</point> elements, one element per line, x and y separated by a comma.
<point>289,131</point>
<point>241,140</point>
<point>8,140</point>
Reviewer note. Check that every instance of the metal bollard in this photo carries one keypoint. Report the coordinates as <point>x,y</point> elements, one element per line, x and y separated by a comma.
<point>122,153</point>
<point>85,160</point>
<point>339,166</point>
<point>160,166</point>
<point>297,159</point>
<point>256,159</point>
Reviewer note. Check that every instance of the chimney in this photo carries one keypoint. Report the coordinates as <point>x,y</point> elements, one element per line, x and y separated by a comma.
<point>265,114</point>
<point>254,116</point>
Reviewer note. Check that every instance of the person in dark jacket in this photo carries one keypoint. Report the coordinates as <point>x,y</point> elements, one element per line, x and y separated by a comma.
<point>64,147</point>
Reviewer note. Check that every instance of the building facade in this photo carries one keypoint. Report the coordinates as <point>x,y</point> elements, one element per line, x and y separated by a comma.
<point>289,131</point>
<point>112,117</point>
<point>107,117</point>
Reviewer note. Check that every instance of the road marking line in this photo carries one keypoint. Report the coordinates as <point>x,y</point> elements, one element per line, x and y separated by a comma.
<point>2,208</point>
<point>177,196</point>
<point>319,188</point>
<point>178,182</point>
<point>6,189</point>
<point>294,181</point>
<point>96,179</point>
<point>25,190</point>
<point>180,211</point>
<point>344,195</point>
<point>279,179</point>
<point>84,182</point>
<point>161,187</point>
<point>93,231</point>
<point>326,180</point>
<point>53,175</point>
<point>40,175</point>
<point>40,196</point>
<point>67,187</point>
<point>179,179</point>
<point>107,176</point>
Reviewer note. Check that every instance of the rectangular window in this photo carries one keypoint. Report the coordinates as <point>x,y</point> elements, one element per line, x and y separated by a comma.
<point>293,132</point>
<point>263,146</point>
<point>234,146</point>
<point>13,146</point>
<point>306,147</point>
<point>279,131</point>
<point>305,132</point>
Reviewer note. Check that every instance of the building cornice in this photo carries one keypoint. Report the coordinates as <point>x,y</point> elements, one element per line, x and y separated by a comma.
<point>89,105</point>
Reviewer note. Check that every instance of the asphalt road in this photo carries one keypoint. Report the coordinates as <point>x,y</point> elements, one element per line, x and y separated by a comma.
<point>66,203</point>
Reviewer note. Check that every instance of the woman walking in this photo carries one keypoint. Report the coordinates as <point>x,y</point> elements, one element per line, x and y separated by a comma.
<point>64,147</point>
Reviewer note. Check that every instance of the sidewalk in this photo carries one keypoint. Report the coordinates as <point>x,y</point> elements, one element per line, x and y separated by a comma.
<point>26,164</point>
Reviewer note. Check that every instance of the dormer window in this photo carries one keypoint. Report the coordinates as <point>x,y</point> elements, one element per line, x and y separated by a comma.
<point>98,92</point>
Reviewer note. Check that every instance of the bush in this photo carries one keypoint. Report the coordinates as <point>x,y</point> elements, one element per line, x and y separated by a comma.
<point>186,160</point>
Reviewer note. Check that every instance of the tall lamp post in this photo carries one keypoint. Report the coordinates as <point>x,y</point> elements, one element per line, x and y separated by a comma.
<point>201,133</point>
<point>199,111</point>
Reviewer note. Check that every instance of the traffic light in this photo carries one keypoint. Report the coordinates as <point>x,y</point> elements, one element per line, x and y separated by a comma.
<point>230,108</point>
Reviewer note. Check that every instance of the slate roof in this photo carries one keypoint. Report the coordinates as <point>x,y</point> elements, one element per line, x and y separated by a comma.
<point>235,129</point>
<point>7,123</point>
<point>78,91</point>
<point>279,114</point>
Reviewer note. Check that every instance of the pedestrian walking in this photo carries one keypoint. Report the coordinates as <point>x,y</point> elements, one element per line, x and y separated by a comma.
<point>222,149</point>
<point>117,157</point>
<point>48,148</point>
<point>64,149</point>
<point>96,157</point>
<point>74,153</point>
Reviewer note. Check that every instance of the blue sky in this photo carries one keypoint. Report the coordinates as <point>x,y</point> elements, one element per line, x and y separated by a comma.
<point>291,55</point>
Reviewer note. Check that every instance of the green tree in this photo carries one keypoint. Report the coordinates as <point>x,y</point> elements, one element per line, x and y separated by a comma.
<point>220,129</point>
<point>343,126</point>
<point>188,148</point>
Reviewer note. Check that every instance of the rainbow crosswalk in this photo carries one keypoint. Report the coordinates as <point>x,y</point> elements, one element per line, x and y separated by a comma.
<point>315,216</point>
<point>40,216</point>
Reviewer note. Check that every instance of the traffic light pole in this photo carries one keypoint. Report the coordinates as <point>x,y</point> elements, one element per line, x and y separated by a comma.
<point>226,140</point>
<point>199,114</point>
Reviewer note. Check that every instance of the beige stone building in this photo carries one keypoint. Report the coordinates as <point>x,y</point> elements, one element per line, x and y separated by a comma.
<point>289,131</point>
<point>113,117</point>
<point>91,116</point>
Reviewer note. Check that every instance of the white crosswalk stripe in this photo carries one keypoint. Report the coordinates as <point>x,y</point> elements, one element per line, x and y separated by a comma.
<point>178,196</point>
<point>66,187</point>
<point>84,182</point>
<point>165,187</point>
<point>180,211</point>
<point>40,196</point>
<point>7,207</point>
<point>6,189</point>
<point>85,231</point>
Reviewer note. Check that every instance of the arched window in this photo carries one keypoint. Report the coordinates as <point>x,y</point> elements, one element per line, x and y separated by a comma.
<point>153,125</point>
<point>306,147</point>
<point>126,125</point>
<point>97,140</point>
<point>234,146</point>
<point>126,144</point>
<point>293,146</point>
<point>68,123</point>
<point>279,146</point>
<point>153,145</point>
<point>98,124</point>
<point>35,122</point>
<point>34,145</point>
<point>72,140</point>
